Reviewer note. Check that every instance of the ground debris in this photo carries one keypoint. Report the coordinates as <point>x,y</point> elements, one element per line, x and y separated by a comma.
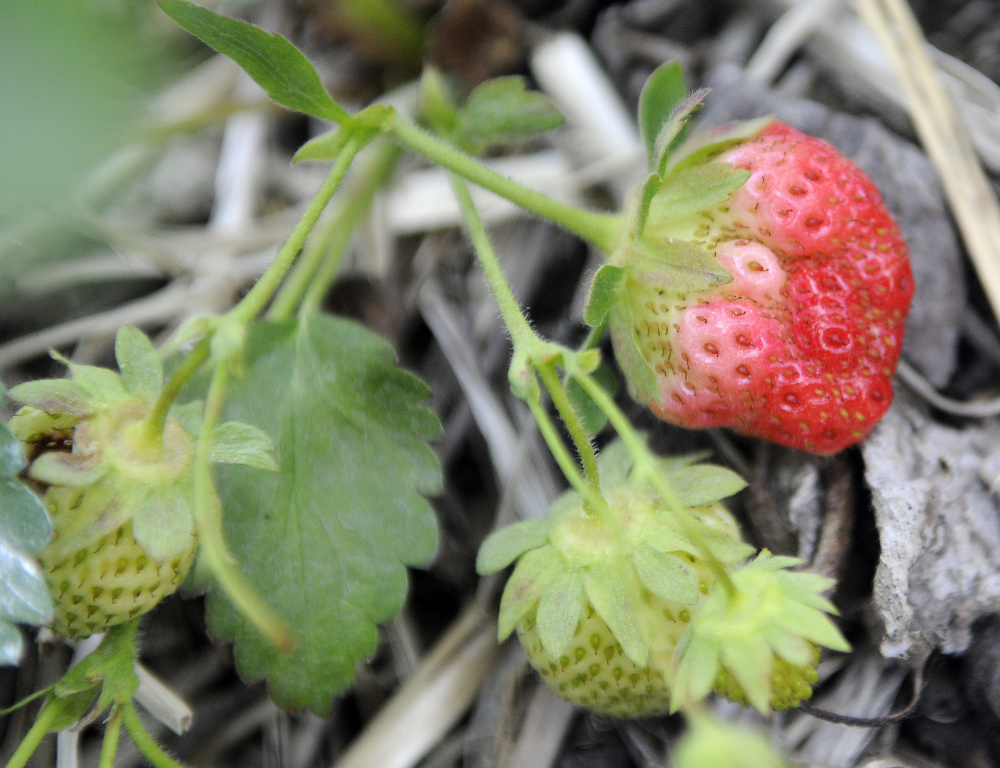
<point>938,527</point>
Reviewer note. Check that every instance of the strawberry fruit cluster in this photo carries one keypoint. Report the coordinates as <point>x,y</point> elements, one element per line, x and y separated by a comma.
<point>621,609</point>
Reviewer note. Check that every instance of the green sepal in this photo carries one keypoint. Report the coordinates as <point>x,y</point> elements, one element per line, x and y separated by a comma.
<point>697,670</point>
<point>662,92</point>
<point>104,385</point>
<point>110,666</point>
<point>613,591</point>
<point>605,290</point>
<point>67,469</point>
<point>704,483</point>
<point>95,514</point>
<point>437,106</point>
<point>326,146</point>
<point>591,416</point>
<point>502,111</point>
<point>694,189</point>
<point>236,442</point>
<point>638,372</point>
<point>503,547</point>
<point>189,416</point>
<point>704,144</point>
<point>749,659</point>
<point>162,521</point>
<point>615,462</point>
<point>559,611</point>
<point>681,265</point>
<point>647,192</point>
<point>665,575</point>
<point>675,128</point>
<point>531,577</point>
<point>140,365</point>
<point>24,522</point>
<point>71,708</point>
<point>55,396</point>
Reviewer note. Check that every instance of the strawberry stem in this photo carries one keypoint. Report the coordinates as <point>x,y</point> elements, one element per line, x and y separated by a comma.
<point>51,710</point>
<point>143,741</point>
<point>645,464</point>
<point>600,229</point>
<point>109,747</point>
<point>208,519</point>
<point>584,446</point>
<point>528,345</point>
<point>316,269</point>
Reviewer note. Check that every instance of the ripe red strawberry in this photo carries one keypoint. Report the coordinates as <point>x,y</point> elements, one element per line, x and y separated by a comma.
<point>800,346</point>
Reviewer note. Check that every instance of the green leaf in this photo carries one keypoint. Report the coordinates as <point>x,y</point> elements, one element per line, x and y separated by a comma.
<point>605,290</point>
<point>705,483</point>
<point>639,374</point>
<point>501,111</point>
<point>139,363</point>
<point>703,144</point>
<point>235,442</point>
<point>614,593</point>
<point>688,191</point>
<point>24,523</point>
<point>436,103</point>
<point>666,576</point>
<point>559,612</point>
<point>274,63</point>
<point>326,539</point>
<point>662,92</point>
<point>24,598</point>
<point>503,547</point>
<point>11,644</point>
<point>12,458</point>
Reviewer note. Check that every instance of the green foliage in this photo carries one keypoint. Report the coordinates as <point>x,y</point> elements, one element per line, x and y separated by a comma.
<point>24,529</point>
<point>502,111</point>
<point>326,539</point>
<point>592,417</point>
<point>604,292</point>
<point>662,92</point>
<point>274,63</point>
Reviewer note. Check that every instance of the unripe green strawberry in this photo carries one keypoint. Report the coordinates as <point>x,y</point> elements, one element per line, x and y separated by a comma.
<point>757,642</point>
<point>600,598</point>
<point>109,582</point>
<point>117,482</point>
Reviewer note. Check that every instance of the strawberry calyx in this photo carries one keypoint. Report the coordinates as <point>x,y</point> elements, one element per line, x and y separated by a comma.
<point>758,644</point>
<point>118,492</point>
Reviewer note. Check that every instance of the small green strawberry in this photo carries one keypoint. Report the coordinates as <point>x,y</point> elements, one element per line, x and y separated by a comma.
<point>118,489</point>
<point>759,643</point>
<point>600,599</point>
<point>709,743</point>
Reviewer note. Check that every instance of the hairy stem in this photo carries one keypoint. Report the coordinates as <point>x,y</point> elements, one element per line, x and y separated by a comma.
<point>600,229</point>
<point>584,447</point>
<point>208,518</point>
<point>143,741</point>
<point>50,710</point>
<point>264,289</point>
<point>109,747</point>
<point>643,459</point>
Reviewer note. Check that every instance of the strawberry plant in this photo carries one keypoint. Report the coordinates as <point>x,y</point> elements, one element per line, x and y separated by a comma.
<point>754,281</point>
